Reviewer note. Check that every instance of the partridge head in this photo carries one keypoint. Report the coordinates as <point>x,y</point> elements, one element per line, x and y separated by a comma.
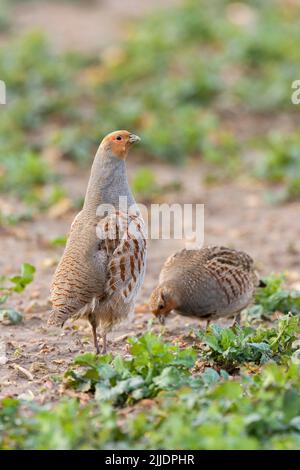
<point>118,143</point>
<point>162,301</point>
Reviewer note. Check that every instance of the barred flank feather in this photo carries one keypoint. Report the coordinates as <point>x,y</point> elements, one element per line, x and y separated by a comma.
<point>57,318</point>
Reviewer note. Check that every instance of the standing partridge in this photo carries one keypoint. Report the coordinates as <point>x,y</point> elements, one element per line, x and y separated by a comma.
<point>103,265</point>
<point>209,283</point>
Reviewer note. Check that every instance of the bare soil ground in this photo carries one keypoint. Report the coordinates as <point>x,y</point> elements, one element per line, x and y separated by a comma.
<point>236,214</point>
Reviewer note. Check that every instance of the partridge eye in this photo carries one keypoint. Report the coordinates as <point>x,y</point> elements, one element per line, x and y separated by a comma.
<point>119,137</point>
<point>160,307</point>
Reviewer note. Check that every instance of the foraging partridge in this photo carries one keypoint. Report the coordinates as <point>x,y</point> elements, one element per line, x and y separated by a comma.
<point>103,265</point>
<point>209,283</point>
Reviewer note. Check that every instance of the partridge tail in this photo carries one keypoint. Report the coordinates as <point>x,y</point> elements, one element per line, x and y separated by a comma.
<point>57,318</point>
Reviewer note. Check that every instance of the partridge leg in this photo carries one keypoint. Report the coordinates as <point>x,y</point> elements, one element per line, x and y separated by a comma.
<point>207,324</point>
<point>96,344</point>
<point>104,343</point>
<point>237,319</point>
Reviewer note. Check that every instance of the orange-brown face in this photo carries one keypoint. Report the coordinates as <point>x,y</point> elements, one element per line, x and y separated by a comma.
<point>119,142</point>
<point>161,304</point>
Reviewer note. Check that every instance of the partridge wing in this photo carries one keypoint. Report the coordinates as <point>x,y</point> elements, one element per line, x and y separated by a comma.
<point>125,241</point>
<point>232,272</point>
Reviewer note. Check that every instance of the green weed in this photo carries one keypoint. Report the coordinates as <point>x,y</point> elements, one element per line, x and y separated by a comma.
<point>231,347</point>
<point>274,298</point>
<point>14,284</point>
<point>153,366</point>
<point>255,412</point>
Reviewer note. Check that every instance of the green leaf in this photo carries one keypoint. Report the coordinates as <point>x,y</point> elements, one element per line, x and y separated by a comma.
<point>3,299</point>
<point>291,403</point>
<point>12,315</point>
<point>169,378</point>
<point>210,376</point>
<point>26,277</point>
<point>27,272</point>
<point>260,346</point>
<point>59,241</point>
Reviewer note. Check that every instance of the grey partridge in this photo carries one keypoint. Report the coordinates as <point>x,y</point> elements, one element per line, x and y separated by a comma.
<point>103,265</point>
<point>207,283</point>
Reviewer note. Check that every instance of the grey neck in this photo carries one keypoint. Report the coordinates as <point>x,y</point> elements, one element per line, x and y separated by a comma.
<point>108,181</point>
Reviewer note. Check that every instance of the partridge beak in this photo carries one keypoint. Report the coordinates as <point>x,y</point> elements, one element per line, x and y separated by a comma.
<point>161,319</point>
<point>134,138</point>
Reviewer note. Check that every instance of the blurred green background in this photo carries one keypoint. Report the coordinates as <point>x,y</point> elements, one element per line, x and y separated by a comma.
<point>184,79</point>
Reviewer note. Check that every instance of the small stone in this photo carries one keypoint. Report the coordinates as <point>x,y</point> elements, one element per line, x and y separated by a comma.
<point>23,372</point>
<point>28,396</point>
<point>50,262</point>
